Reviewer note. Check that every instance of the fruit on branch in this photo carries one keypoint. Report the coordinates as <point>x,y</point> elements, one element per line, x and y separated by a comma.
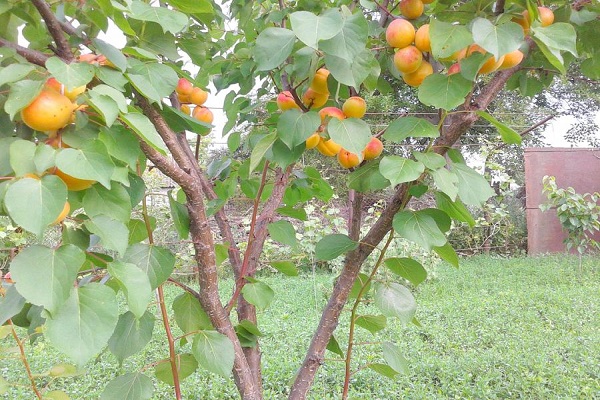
<point>203,114</point>
<point>312,99</point>
<point>49,111</point>
<point>185,109</point>
<point>545,16</point>
<point>347,160</point>
<point>285,101</point>
<point>408,59</point>
<point>354,107</point>
<point>415,79</point>
<point>313,140</point>
<point>490,65</point>
<point>73,184</point>
<point>7,278</point>
<point>454,69</point>
<point>411,9</point>
<point>373,149</point>
<point>319,82</point>
<point>328,147</point>
<point>184,87</point>
<point>58,87</point>
<point>512,59</point>
<point>422,40</point>
<point>331,112</point>
<point>400,33</point>
<point>63,214</point>
<point>89,58</point>
<point>198,96</point>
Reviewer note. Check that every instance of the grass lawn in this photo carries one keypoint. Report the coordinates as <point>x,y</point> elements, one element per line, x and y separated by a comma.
<point>495,328</point>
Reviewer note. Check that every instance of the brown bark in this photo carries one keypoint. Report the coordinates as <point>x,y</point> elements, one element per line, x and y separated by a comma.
<point>63,49</point>
<point>458,124</point>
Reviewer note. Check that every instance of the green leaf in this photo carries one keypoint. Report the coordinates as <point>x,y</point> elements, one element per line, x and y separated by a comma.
<point>350,41</point>
<point>155,81</point>
<point>333,246</point>
<point>114,234</point>
<point>180,217</point>
<point>193,7</point>
<point>273,47</point>
<point>591,67</point>
<point>157,262</point>
<point>431,160</point>
<point>21,95</point>
<point>310,28</point>
<point>135,285</point>
<point>334,346</point>
<point>189,314</point>
<point>420,228</point>
<point>352,134</point>
<point>56,395</point>
<point>91,162</point>
<point>14,73</point>
<point>113,202</point>
<point>285,267</point>
<point>71,75</point>
<point>111,53</point>
<point>214,352</point>
<point>559,36</point>
<point>455,209</point>
<point>169,19</point>
<point>121,144</point>
<point>353,73</point>
<point>508,135</point>
<point>186,365</point>
<point>142,126</point>
<point>384,369</point>
<point>372,323</point>
<point>447,253</point>
<point>258,293</point>
<point>297,213</point>
<point>45,276</point>
<point>131,386</point>
<point>179,122</point>
<point>448,38</point>
<point>367,178</point>
<point>394,300</point>
<point>283,232</point>
<point>405,127</point>
<point>35,203</point>
<point>446,181</point>
<point>294,126</point>
<point>399,169</point>
<point>498,40</point>
<point>85,322</point>
<point>407,268</point>
<point>131,335</point>
<point>444,91</point>
<point>261,148</point>
<point>21,156</point>
<point>11,304</point>
<point>105,106</point>
<point>394,358</point>
<point>473,189</point>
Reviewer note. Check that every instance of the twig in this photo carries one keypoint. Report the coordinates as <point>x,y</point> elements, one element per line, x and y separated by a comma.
<point>24,360</point>
<point>33,56</point>
<point>63,50</point>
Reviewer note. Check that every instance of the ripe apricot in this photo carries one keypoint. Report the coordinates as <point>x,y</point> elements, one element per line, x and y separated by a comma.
<point>328,147</point>
<point>347,160</point>
<point>203,114</point>
<point>198,96</point>
<point>411,9</point>
<point>58,87</point>
<point>512,59</point>
<point>49,111</point>
<point>313,140</point>
<point>185,109</point>
<point>331,112</point>
<point>285,101</point>
<point>184,87</point>
<point>355,107</point>
<point>373,149</point>
<point>73,184</point>
<point>490,65</point>
<point>415,79</point>
<point>400,33</point>
<point>545,16</point>
<point>454,69</point>
<point>313,99</point>
<point>422,40</point>
<point>408,59</point>
<point>63,214</point>
<point>319,82</point>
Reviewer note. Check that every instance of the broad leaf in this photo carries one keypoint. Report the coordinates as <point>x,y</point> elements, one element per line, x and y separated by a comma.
<point>497,39</point>
<point>352,134</point>
<point>214,352</point>
<point>85,322</point>
<point>394,300</point>
<point>420,228</point>
<point>186,365</point>
<point>367,178</point>
<point>157,262</point>
<point>333,246</point>
<point>258,293</point>
<point>21,94</point>
<point>113,202</point>
<point>131,335</point>
<point>11,304</point>
<point>111,53</point>
<point>447,253</point>
<point>131,386</point>
<point>91,162</point>
<point>189,314</point>
<point>407,268</point>
<point>142,126</point>
<point>473,188</point>
<point>273,47</point>
<point>354,73</point>
<point>446,181</point>
<point>334,346</point>
<point>405,127</point>
<point>45,276</point>
<point>261,148</point>
<point>394,358</point>
<point>350,41</point>
<point>294,126</point>
<point>372,323</point>
<point>135,285</point>
<point>285,267</point>
<point>180,217</point>
<point>283,232</point>
<point>509,136</point>
<point>114,234</point>
<point>170,20</point>
<point>310,28</point>
<point>444,91</point>
<point>399,169</point>
<point>448,38</point>
<point>71,75</point>
<point>454,209</point>
<point>155,81</point>
<point>431,160</point>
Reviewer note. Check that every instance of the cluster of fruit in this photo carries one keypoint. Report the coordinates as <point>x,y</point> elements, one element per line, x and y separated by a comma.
<point>354,107</point>
<point>189,94</point>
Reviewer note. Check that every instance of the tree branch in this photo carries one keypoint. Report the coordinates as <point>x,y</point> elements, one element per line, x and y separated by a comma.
<point>458,124</point>
<point>33,56</point>
<point>63,50</point>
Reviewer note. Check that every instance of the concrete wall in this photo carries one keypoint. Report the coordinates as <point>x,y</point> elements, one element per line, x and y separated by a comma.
<point>577,168</point>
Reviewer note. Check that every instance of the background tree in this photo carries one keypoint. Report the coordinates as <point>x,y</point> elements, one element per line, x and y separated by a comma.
<point>75,149</point>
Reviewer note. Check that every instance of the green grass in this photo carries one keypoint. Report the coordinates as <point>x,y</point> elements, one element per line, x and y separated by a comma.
<point>495,328</point>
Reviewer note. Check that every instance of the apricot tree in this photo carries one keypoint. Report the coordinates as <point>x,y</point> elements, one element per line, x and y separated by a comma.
<point>84,118</point>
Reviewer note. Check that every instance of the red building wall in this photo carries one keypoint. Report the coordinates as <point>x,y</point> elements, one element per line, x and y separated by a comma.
<point>577,168</point>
